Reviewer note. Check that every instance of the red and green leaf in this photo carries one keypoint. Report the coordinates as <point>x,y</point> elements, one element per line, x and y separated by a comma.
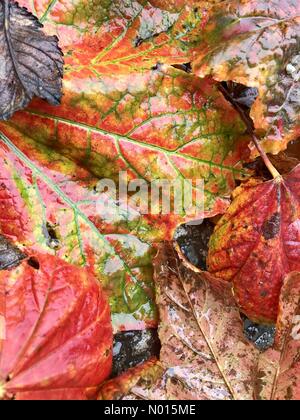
<point>257,43</point>
<point>257,243</point>
<point>55,331</point>
<point>117,114</point>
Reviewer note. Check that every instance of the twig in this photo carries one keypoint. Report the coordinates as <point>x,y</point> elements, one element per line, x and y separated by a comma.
<point>248,122</point>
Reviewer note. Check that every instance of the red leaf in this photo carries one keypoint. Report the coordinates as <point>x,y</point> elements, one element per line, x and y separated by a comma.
<point>257,243</point>
<point>55,331</point>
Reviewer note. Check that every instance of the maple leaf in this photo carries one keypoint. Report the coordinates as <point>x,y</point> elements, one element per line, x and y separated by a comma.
<point>55,331</point>
<point>204,353</point>
<point>279,368</point>
<point>257,243</point>
<point>257,43</point>
<point>117,114</point>
<point>31,62</point>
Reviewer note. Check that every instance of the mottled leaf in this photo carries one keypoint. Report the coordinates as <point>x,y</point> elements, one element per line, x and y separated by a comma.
<point>55,331</point>
<point>257,43</point>
<point>117,114</point>
<point>279,368</point>
<point>276,374</point>
<point>204,354</point>
<point>31,62</point>
<point>53,209</point>
<point>257,243</point>
<point>129,35</point>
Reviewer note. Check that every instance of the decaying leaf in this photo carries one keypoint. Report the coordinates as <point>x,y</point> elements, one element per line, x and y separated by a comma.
<point>31,62</point>
<point>279,368</point>
<point>204,353</point>
<point>121,111</point>
<point>257,43</point>
<point>257,243</point>
<point>55,331</point>
<point>203,347</point>
<point>211,360</point>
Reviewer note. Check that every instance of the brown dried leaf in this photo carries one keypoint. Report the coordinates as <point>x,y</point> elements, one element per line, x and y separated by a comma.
<point>204,354</point>
<point>31,62</point>
<point>279,368</point>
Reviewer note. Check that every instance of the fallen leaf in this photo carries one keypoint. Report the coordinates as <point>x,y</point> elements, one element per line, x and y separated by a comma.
<point>54,210</point>
<point>117,114</point>
<point>55,335</point>
<point>273,374</point>
<point>256,243</point>
<point>279,368</point>
<point>256,43</point>
<point>203,347</point>
<point>284,163</point>
<point>129,35</point>
<point>31,62</point>
<point>204,353</point>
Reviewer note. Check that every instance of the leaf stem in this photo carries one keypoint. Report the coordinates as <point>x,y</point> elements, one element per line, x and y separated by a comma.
<point>248,122</point>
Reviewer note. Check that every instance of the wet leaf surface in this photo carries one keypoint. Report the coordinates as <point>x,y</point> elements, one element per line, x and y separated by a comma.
<point>256,244</point>
<point>55,331</point>
<point>197,348</point>
<point>279,368</point>
<point>117,114</point>
<point>193,241</point>
<point>31,62</point>
<point>35,197</point>
<point>274,374</point>
<point>256,43</point>
<point>204,353</point>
